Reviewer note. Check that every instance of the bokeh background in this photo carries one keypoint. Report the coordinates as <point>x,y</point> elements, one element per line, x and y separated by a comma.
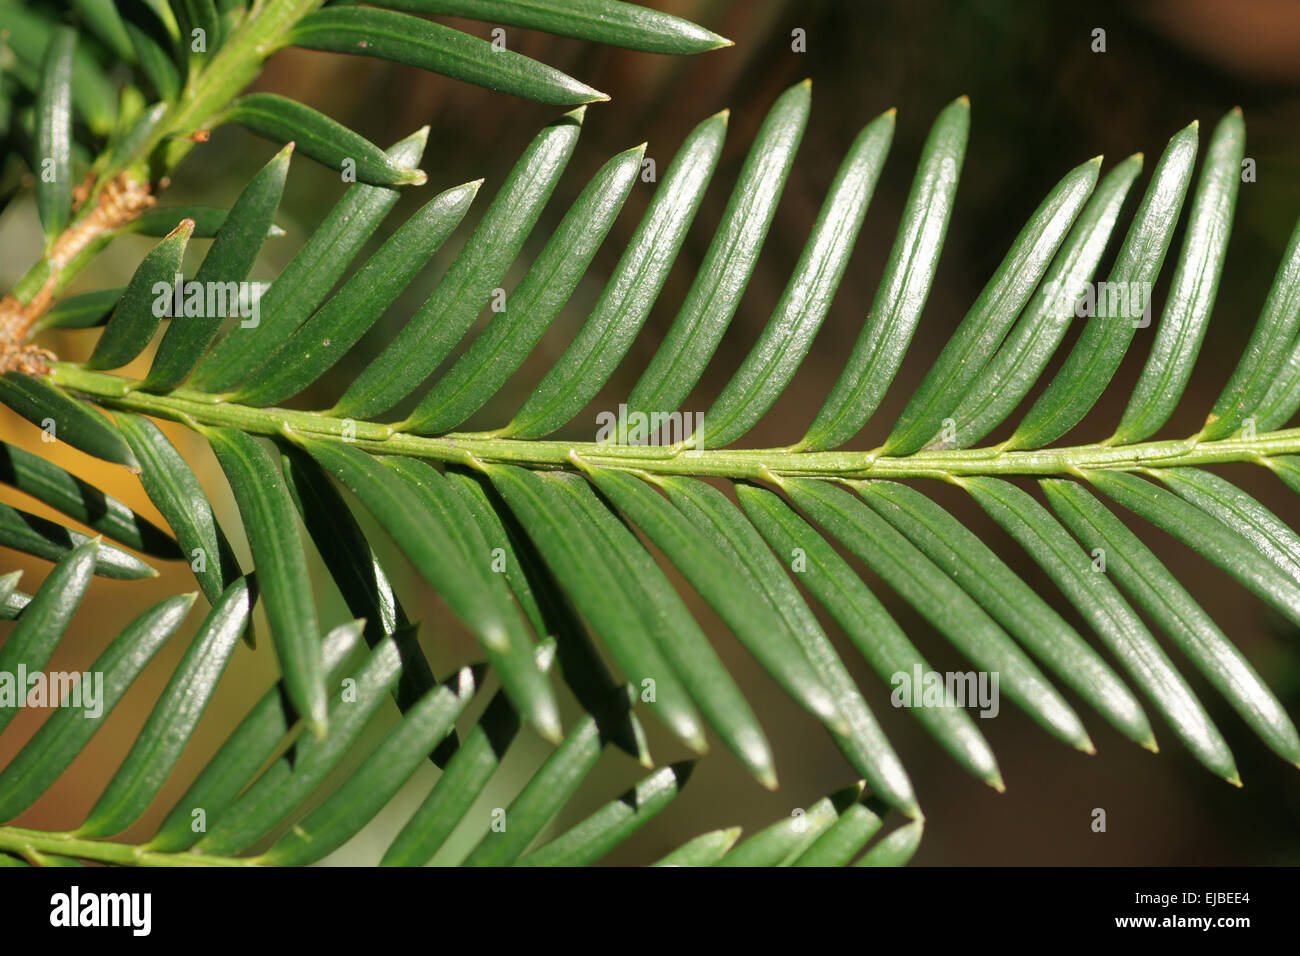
<point>1042,103</point>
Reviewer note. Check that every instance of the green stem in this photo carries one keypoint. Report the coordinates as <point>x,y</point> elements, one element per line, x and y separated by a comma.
<point>200,410</point>
<point>32,845</point>
<point>231,69</point>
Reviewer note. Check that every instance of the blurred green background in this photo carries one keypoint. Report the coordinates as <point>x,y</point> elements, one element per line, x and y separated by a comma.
<point>1042,103</point>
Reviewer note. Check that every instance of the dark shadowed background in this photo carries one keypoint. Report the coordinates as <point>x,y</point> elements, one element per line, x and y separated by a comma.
<point>1042,102</point>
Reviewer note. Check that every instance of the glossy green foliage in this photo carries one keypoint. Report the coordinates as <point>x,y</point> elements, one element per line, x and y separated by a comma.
<point>601,577</point>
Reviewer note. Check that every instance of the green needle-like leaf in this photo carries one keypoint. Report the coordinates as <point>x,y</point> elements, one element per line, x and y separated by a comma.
<point>465,777</point>
<point>552,615</point>
<point>865,745</point>
<point>1288,469</point>
<point>324,338</point>
<point>64,418</point>
<point>84,311</point>
<point>38,536</point>
<point>1007,378</point>
<point>1150,584</point>
<point>941,601</point>
<point>1282,400</point>
<point>738,602</point>
<point>29,33</point>
<point>1208,536</point>
<point>435,329</point>
<point>48,483</point>
<point>159,744</point>
<point>730,261</point>
<point>1270,535</point>
<point>895,849</point>
<point>70,727</point>
<point>563,537</point>
<point>431,46</point>
<point>613,823</point>
<point>373,784</point>
<point>54,133</point>
<point>15,602</point>
<point>529,310</point>
<point>610,22</point>
<point>782,843</point>
<point>542,797</point>
<point>1266,353</point>
<point>705,850</point>
<point>245,753</point>
<point>879,639</point>
<point>1195,285</point>
<point>273,797</point>
<point>435,550</point>
<point>1082,579</point>
<point>1012,603</point>
<point>153,44</point>
<point>841,842</point>
<point>308,278</point>
<point>680,639</point>
<point>102,17</point>
<point>356,570</point>
<point>476,497</point>
<point>32,641</point>
<point>281,562</point>
<point>229,260</point>
<point>775,357</point>
<point>512,658</point>
<point>590,359</point>
<point>316,136</point>
<point>137,316</point>
<point>1100,531</point>
<point>903,289</point>
<point>1121,310</point>
<point>175,491</point>
<point>200,15</point>
<point>9,585</point>
<point>985,325</point>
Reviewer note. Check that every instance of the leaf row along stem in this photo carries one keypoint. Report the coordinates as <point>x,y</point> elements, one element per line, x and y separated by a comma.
<point>35,846</point>
<point>199,410</point>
